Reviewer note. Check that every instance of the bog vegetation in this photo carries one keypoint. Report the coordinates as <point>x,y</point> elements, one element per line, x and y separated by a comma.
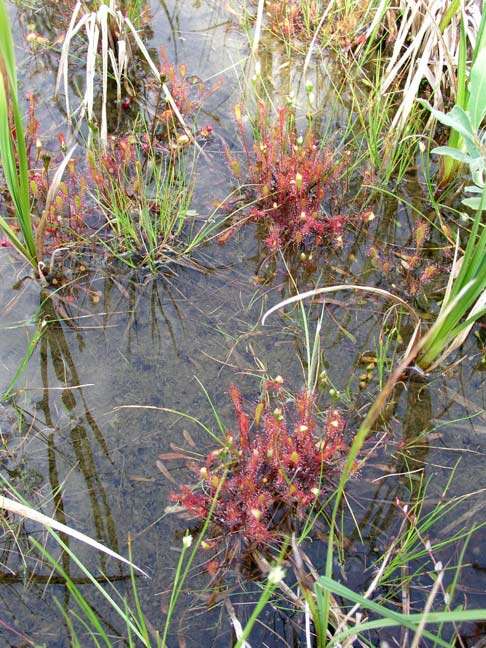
<point>338,108</point>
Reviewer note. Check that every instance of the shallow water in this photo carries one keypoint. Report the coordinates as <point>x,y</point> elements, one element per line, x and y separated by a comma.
<point>149,342</point>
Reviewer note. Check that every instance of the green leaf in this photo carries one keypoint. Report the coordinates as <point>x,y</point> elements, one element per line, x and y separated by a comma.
<point>477,90</point>
<point>13,151</point>
<point>474,189</point>
<point>473,203</point>
<point>456,119</point>
<point>388,615</point>
<point>453,153</point>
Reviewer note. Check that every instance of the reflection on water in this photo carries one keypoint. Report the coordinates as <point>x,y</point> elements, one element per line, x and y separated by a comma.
<point>67,449</point>
<point>95,468</point>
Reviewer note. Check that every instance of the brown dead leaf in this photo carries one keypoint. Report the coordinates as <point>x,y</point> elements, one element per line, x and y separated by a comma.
<point>164,471</point>
<point>188,438</point>
<point>170,456</point>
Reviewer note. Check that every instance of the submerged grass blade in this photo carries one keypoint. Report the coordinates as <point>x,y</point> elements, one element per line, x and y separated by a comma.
<point>25,360</point>
<point>17,508</point>
<point>92,617</point>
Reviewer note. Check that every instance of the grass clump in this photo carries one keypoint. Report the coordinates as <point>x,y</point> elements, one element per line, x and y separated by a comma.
<point>467,140</point>
<point>145,198</point>
<point>466,143</point>
<point>425,41</point>
<point>401,54</point>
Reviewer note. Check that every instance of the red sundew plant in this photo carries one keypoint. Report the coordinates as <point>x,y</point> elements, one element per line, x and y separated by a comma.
<point>180,88</point>
<point>271,473</point>
<point>412,262</point>
<point>32,128</point>
<point>117,172</point>
<point>188,93</point>
<point>112,165</point>
<point>68,211</point>
<point>293,177</point>
<point>120,165</point>
<point>288,18</point>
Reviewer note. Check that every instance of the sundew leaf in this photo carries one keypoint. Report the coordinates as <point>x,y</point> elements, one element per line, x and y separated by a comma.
<point>477,89</point>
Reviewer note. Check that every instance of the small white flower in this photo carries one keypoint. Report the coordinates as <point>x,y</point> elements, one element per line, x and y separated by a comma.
<point>276,575</point>
<point>187,541</point>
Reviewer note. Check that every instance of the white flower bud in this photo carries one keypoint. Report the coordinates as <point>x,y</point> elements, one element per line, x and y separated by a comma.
<point>276,575</point>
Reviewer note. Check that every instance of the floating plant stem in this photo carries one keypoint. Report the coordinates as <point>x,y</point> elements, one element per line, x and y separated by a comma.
<point>274,578</point>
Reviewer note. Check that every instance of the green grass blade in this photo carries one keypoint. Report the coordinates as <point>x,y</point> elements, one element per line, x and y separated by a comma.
<point>13,151</point>
<point>25,360</point>
<point>391,617</point>
<point>74,590</point>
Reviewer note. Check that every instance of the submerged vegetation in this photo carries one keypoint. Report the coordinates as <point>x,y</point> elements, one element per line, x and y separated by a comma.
<point>192,192</point>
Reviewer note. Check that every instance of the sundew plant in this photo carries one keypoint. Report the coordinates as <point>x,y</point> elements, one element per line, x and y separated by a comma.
<point>243,301</point>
